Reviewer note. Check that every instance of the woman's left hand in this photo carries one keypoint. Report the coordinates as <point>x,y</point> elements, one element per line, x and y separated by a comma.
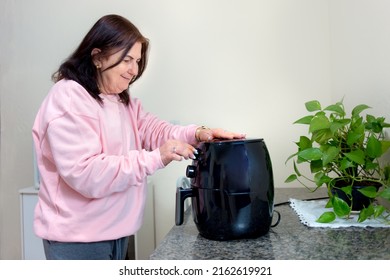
<point>208,134</point>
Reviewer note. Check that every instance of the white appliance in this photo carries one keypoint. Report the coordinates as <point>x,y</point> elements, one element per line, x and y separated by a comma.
<point>141,245</point>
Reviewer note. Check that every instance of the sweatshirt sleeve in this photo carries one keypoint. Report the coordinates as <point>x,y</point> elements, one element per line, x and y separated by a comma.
<point>77,154</point>
<point>154,132</point>
<point>72,140</point>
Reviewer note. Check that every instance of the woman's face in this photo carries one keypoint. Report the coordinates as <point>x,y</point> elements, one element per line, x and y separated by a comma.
<point>117,79</point>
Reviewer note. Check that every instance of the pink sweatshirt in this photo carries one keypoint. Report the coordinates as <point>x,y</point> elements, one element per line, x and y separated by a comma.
<point>94,161</point>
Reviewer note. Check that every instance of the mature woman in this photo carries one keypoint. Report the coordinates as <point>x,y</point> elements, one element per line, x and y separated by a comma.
<point>96,146</point>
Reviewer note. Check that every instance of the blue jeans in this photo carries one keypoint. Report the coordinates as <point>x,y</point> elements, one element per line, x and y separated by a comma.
<point>102,250</point>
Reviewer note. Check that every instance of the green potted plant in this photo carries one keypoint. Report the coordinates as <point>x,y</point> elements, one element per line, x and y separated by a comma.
<point>345,154</point>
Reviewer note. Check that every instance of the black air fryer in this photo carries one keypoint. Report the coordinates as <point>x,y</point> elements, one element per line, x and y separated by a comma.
<point>232,189</point>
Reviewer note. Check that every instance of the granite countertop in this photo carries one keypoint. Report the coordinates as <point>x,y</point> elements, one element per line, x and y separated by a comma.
<point>289,240</point>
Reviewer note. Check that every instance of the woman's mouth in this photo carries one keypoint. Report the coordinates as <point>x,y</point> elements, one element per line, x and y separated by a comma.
<point>126,78</point>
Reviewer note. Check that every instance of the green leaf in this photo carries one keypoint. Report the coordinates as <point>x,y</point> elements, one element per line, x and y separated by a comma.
<point>370,165</point>
<point>358,126</point>
<point>356,156</point>
<point>320,178</point>
<point>316,166</point>
<point>304,120</point>
<point>384,124</point>
<point>291,178</point>
<point>313,105</point>
<point>304,143</point>
<point>374,147</point>
<point>326,217</point>
<point>354,137</point>
<point>378,210</point>
<point>337,108</point>
<point>385,146</point>
<point>290,157</point>
<point>336,125</point>
<point>345,163</point>
<point>322,136</point>
<point>359,108</point>
<point>311,154</point>
<point>329,204</point>
<point>319,122</point>
<point>340,207</point>
<point>385,193</point>
<point>374,124</point>
<point>368,191</point>
<point>365,213</point>
<point>330,154</point>
<point>347,190</point>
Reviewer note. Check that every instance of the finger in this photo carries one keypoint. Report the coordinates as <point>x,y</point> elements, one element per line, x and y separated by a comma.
<point>177,157</point>
<point>220,133</point>
<point>185,151</point>
<point>233,135</point>
<point>207,135</point>
<point>239,135</point>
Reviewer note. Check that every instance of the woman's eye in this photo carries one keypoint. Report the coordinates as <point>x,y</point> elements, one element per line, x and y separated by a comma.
<point>130,60</point>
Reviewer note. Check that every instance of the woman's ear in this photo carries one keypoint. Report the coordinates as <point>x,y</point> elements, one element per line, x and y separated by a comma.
<point>96,58</point>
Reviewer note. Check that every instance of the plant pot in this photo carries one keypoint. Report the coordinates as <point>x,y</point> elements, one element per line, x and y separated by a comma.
<point>359,200</point>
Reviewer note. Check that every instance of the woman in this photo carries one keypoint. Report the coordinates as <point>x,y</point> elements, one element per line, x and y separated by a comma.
<point>96,146</point>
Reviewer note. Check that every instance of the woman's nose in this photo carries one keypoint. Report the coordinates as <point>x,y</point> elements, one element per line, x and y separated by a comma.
<point>133,68</point>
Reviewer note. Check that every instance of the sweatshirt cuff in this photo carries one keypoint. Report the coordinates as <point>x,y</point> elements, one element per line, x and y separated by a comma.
<point>191,130</point>
<point>156,159</point>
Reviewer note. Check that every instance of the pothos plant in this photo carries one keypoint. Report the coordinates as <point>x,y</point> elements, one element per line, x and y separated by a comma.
<point>343,148</point>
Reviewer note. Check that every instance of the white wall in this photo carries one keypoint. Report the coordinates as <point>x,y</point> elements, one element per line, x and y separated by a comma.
<point>360,44</point>
<point>242,65</point>
<point>245,65</point>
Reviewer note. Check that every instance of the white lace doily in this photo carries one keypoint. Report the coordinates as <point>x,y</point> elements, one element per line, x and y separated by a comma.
<point>309,211</point>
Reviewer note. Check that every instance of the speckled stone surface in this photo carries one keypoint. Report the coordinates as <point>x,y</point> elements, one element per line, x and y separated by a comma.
<point>289,240</point>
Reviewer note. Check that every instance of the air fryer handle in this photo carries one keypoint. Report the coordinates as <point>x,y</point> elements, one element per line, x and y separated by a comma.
<point>181,195</point>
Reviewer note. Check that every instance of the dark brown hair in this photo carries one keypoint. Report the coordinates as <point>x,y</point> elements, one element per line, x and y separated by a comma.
<point>110,34</point>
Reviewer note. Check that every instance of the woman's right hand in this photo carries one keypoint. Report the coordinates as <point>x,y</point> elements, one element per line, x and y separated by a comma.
<point>176,150</point>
